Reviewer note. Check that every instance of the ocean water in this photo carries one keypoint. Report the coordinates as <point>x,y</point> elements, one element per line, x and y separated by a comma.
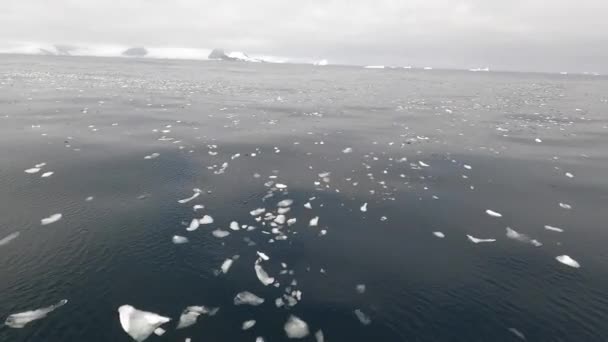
<point>428,151</point>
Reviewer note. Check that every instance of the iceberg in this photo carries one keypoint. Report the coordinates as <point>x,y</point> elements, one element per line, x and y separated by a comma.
<point>139,324</point>
<point>19,320</point>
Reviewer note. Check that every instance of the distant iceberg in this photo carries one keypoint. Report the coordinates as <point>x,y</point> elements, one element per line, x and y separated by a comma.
<point>374,67</point>
<point>135,52</point>
<point>486,69</point>
<point>322,62</point>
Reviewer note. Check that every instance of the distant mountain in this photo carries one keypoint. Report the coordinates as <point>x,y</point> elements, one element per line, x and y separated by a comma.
<point>135,52</point>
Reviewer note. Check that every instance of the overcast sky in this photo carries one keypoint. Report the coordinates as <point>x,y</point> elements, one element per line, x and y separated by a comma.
<point>544,35</point>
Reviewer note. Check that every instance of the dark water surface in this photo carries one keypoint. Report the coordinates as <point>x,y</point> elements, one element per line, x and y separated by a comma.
<point>92,121</point>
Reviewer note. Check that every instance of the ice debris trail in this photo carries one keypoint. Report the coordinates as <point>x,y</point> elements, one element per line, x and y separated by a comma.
<point>197,192</point>
<point>19,320</point>
<point>477,240</point>
<point>296,328</point>
<point>10,237</point>
<point>51,219</point>
<point>139,324</point>
<point>567,260</point>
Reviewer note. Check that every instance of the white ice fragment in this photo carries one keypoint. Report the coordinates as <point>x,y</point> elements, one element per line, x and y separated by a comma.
<point>554,229</point>
<point>139,324</point>
<point>219,233</point>
<point>476,240</point>
<point>264,278</point>
<point>439,235</point>
<point>259,339</point>
<point>198,207</point>
<point>40,165</point>
<point>423,164</point>
<point>517,333</point>
<point>319,336</point>
<point>51,219</point>
<point>197,193</point>
<point>364,207</point>
<point>314,221</point>
<point>565,206</point>
<point>206,220</point>
<point>178,240</point>
<point>257,212</point>
<point>190,315</point>
<point>193,225</point>
<point>152,156</point>
<point>468,167</point>
<point>285,203</point>
<point>307,205</point>
<point>248,324</point>
<point>538,140</point>
<point>512,234</point>
<point>566,260</point>
<point>47,174</point>
<point>363,318</point>
<point>281,186</point>
<point>280,219</point>
<point>493,213</point>
<point>247,298</point>
<point>89,199</point>
<point>19,320</point>
<point>159,331</point>
<point>10,237</point>
<point>296,328</point>
<point>360,288</point>
<point>226,265</point>
<point>347,150</point>
<point>32,170</point>
<point>569,175</point>
<point>291,221</point>
<point>263,255</point>
<point>234,225</point>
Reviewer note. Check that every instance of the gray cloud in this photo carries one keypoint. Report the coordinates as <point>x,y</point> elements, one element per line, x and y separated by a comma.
<point>515,34</point>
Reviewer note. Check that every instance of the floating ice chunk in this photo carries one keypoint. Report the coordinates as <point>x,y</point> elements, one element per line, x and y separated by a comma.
<point>360,288</point>
<point>247,298</point>
<point>190,315</point>
<point>291,221</point>
<point>198,207</point>
<point>493,213</point>
<point>259,339</point>
<point>152,156</point>
<point>314,222</point>
<point>206,220</point>
<point>159,331</point>
<point>281,186</point>
<point>51,219</point>
<point>364,207</point>
<point>139,324</point>
<point>565,206</point>
<point>468,167</point>
<point>47,174</point>
<point>234,225</point>
<point>566,260</point>
<point>40,165</point>
<point>512,234</point>
<point>33,170</point>
<point>226,265</point>
<point>178,240</point>
<point>517,333</point>
<point>363,318</point>
<point>197,193</point>
<point>374,67</point>
<point>248,324</point>
<point>263,255</point>
<point>219,233</point>
<point>554,229</point>
<point>296,328</point>
<point>257,212</point>
<point>19,320</point>
<point>264,278</point>
<point>538,140</point>
<point>89,199</point>
<point>10,237</point>
<point>319,336</point>
<point>285,203</point>
<point>280,219</point>
<point>307,205</point>
<point>423,164</point>
<point>439,235</point>
<point>476,240</point>
<point>193,225</point>
<point>569,175</point>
